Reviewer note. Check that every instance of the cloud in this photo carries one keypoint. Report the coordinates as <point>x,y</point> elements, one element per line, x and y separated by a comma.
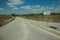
<point>1,8</point>
<point>36,6</point>
<point>44,8</point>
<point>58,8</point>
<point>52,5</point>
<point>30,7</point>
<point>47,8</point>
<point>26,7</point>
<point>10,5</point>
<point>15,8</point>
<point>13,3</point>
<point>22,7</point>
<point>34,10</point>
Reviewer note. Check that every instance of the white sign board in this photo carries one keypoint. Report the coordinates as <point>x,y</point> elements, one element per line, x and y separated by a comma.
<point>46,12</point>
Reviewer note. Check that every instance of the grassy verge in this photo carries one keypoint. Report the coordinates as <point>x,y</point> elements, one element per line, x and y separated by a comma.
<point>5,19</point>
<point>51,18</point>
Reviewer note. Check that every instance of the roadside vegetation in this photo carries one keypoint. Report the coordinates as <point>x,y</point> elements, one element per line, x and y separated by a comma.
<point>5,19</point>
<point>40,17</point>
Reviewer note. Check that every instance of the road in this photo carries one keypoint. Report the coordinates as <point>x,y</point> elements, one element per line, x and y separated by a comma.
<point>21,29</point>
<point>46,24</point>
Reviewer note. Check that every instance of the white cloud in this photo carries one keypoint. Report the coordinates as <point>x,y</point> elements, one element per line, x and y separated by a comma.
<point>15,8</point>
<point>47,8</point>
<point>43,8</point>
<point>51,8</point>
<point>13,3</point>
<point>10,5</point>
<point>22,7</point>
<point>34,10</point>
<point>30,7</point>
<point>36,6</point>
<point>58,8</point>
<point>1,8</point>
<point>52,5</point>
<point>16,2</point>
<point>26,7</point>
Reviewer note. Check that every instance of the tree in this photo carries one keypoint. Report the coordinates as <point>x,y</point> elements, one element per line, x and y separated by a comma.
<point>13,14</point>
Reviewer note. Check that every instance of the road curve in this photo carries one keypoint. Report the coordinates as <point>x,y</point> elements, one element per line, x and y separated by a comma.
<point>20,29</point>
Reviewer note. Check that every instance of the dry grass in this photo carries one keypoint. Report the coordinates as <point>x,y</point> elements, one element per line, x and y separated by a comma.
<point>5,20</point>
<point>51,18</point>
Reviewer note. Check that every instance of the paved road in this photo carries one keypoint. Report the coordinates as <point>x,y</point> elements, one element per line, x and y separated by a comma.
<point>20,29</point>
<point>46,24</point>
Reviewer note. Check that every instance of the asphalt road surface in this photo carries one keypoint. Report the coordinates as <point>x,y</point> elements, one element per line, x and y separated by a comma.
<point>21,29</point>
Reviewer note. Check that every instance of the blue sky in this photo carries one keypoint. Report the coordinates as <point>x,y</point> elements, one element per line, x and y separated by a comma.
<point>28,6</point>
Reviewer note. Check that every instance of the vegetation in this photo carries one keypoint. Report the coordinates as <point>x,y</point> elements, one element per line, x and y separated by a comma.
<point>40,17</point>
<point>4,19</point>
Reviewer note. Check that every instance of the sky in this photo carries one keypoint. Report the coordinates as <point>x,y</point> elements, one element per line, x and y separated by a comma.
<point>28,6</point>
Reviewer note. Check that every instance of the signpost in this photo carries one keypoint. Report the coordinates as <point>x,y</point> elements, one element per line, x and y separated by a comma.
<point>47,13</point>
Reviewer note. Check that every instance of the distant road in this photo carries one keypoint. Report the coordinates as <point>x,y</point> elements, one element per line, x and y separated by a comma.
<point>21,29</point>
